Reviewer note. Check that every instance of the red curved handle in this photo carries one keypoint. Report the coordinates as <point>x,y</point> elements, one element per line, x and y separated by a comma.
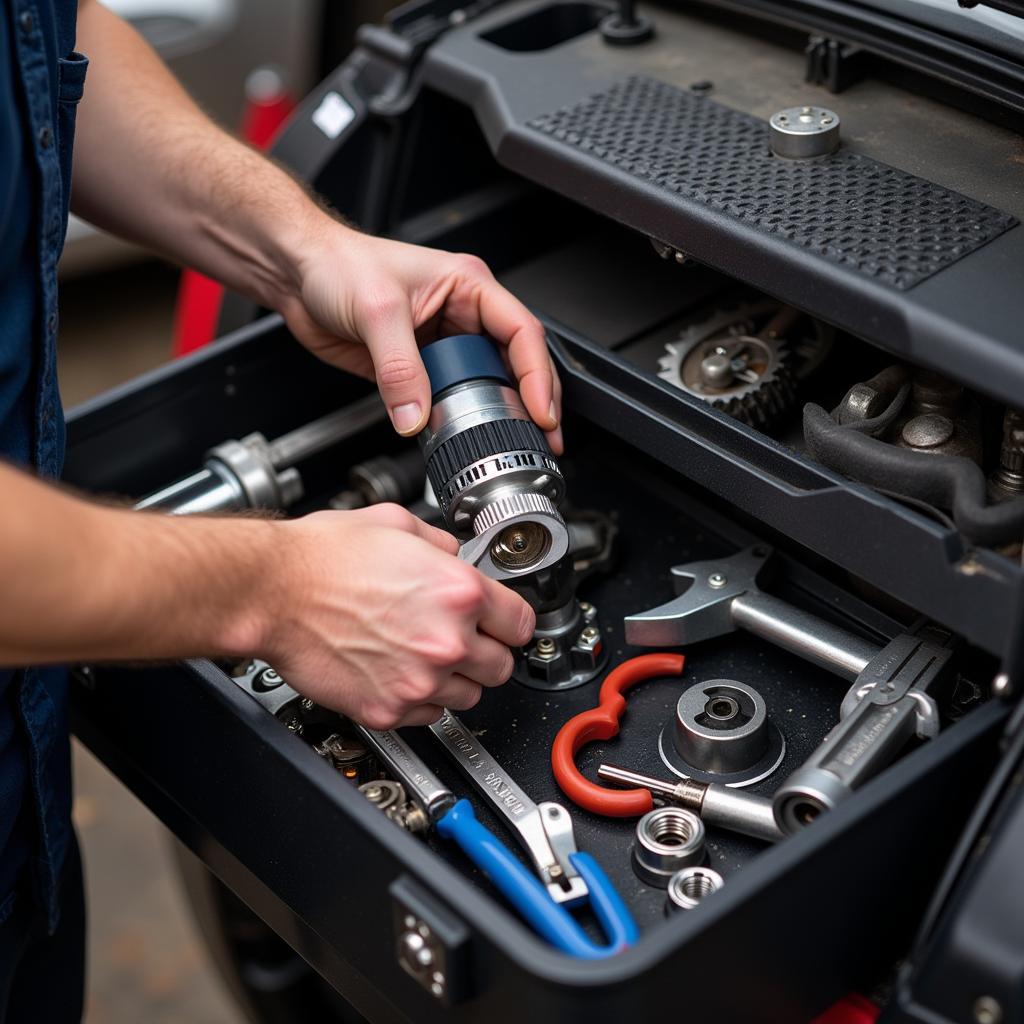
<point>602,723</point>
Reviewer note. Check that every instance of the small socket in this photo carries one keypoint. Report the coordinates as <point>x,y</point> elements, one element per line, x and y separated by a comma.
<point>667,839</point>
<point>689,886</point>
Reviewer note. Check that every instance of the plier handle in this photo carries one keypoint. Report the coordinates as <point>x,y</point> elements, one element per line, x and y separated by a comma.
<point>525,892</point>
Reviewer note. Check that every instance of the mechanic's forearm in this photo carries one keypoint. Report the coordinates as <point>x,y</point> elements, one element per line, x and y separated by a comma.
<point>88,581</point>
<point>151,167</point>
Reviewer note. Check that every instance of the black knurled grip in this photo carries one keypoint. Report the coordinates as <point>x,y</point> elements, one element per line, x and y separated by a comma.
<point>479,442</point>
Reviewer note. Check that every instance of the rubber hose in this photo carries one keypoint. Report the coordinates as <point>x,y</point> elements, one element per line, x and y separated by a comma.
<point>947,481</point>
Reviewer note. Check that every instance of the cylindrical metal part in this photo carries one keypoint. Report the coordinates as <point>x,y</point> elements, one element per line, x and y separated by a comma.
<point>745,813</point>
<point>489,465</point>
<point>721,726</point>
<point>806,635</point>
<point>689,886</point>
<point>667,839</point>
<point>212,489</point>
<point>798,133</point>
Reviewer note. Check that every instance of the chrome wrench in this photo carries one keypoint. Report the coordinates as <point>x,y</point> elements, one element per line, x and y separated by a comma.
<point>545,830</point>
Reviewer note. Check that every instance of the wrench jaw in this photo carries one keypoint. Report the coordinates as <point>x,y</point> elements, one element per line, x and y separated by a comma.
<point>703,608</point>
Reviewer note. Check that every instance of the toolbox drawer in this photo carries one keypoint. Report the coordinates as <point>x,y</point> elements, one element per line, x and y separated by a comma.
<point>795,926</point>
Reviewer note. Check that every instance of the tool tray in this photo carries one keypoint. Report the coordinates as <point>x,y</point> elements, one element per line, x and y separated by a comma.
<point>454,143</point>
<point>798,923</point>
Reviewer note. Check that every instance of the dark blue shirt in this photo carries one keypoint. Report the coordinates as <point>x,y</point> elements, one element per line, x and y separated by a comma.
<point>41,80</point>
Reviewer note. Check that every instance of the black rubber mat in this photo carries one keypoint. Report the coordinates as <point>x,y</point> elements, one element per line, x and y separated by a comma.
<point>847,208</point>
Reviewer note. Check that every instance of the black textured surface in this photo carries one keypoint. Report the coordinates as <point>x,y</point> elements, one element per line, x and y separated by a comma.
<point>846,208</point>
<point>478,443</point>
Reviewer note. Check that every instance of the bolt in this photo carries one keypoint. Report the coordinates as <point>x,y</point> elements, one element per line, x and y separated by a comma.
<point>1001,685</point>
<point>717,580</point>
<point>590,633</point>
<point>546,648</point>
<point>987,1010</point>
<point>586,608</point>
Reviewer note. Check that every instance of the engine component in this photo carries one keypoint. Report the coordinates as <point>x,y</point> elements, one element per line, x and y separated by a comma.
<point>390,797</point>
<point>855,449</point>
<point>395,478</point>
<point>718,805</point>
<point>489,465</point>
<point>545,830</point>
<point>257,473</point>
<point>729,363</point>
<point>799,133</point>
<point>348,755</point>
<point>567,649</point>
<point>722,733</point>
<point>689,886</point>
<point>626,26</point>
<point>892,701</point>
<point>1008,481</point>
<point>667,839</point>
<point>602,723</point>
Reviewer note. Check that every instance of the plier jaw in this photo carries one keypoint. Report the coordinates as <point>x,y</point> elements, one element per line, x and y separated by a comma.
<point>563,881</point>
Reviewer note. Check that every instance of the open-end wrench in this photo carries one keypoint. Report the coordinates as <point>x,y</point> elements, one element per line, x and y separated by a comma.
<point>545,829</point>
<point>422,785</point>
<point>720,596</point>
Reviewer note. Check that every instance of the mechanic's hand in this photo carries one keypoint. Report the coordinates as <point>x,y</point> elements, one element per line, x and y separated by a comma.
<point>374,617</point>
<point>367,303</point>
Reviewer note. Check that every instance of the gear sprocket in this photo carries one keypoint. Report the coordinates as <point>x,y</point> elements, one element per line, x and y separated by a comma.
<point>732,364</point>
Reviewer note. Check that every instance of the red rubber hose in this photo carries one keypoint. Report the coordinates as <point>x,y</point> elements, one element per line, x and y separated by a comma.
<point>602,723</point>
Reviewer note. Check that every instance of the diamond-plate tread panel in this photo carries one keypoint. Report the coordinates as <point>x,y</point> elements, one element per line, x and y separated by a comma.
<point>847,208</point>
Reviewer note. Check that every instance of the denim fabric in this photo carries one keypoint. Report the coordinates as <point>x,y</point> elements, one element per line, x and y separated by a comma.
<point>41,81</point>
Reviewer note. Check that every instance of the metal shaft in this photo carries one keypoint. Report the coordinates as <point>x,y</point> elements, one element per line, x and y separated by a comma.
<point>425,788</point>
<point>718,805</point>
<point>806,635</point>
<point>305,441</point>
<point>522,814</point>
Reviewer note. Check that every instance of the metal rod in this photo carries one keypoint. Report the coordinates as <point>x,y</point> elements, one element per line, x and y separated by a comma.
<point>425,788</point>
<point>732,809</point>
<point>806,635</point>
<point>311,438</point>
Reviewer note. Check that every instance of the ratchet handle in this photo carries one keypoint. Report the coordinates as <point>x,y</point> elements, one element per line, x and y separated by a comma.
<point>522,889</point>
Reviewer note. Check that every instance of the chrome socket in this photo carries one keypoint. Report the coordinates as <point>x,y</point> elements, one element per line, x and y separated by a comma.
<point>667,839</point>
<point>689,887</point>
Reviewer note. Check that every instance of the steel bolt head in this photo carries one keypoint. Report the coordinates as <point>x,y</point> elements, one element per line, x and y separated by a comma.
<point>590,633</point>
<point>801,132</point>
<point>717,580</point>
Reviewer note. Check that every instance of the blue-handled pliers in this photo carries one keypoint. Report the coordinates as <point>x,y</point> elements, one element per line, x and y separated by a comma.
<point>524,891</point>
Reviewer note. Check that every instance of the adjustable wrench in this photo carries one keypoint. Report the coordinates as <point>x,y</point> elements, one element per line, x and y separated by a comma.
<point>545,829</point>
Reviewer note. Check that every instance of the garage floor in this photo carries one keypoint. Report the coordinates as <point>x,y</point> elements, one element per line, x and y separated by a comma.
<point>146,959</point>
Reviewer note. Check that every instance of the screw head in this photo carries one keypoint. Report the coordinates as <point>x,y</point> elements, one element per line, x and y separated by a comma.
<point>590,633</point>
<point>717,580</point>
<point>546,648</point>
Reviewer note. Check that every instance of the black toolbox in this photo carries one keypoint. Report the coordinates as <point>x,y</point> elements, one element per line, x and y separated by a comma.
<point>467,132</point>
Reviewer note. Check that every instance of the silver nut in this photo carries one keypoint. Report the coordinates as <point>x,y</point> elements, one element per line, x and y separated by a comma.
<point>689,886</point>
<point>667,839</point>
